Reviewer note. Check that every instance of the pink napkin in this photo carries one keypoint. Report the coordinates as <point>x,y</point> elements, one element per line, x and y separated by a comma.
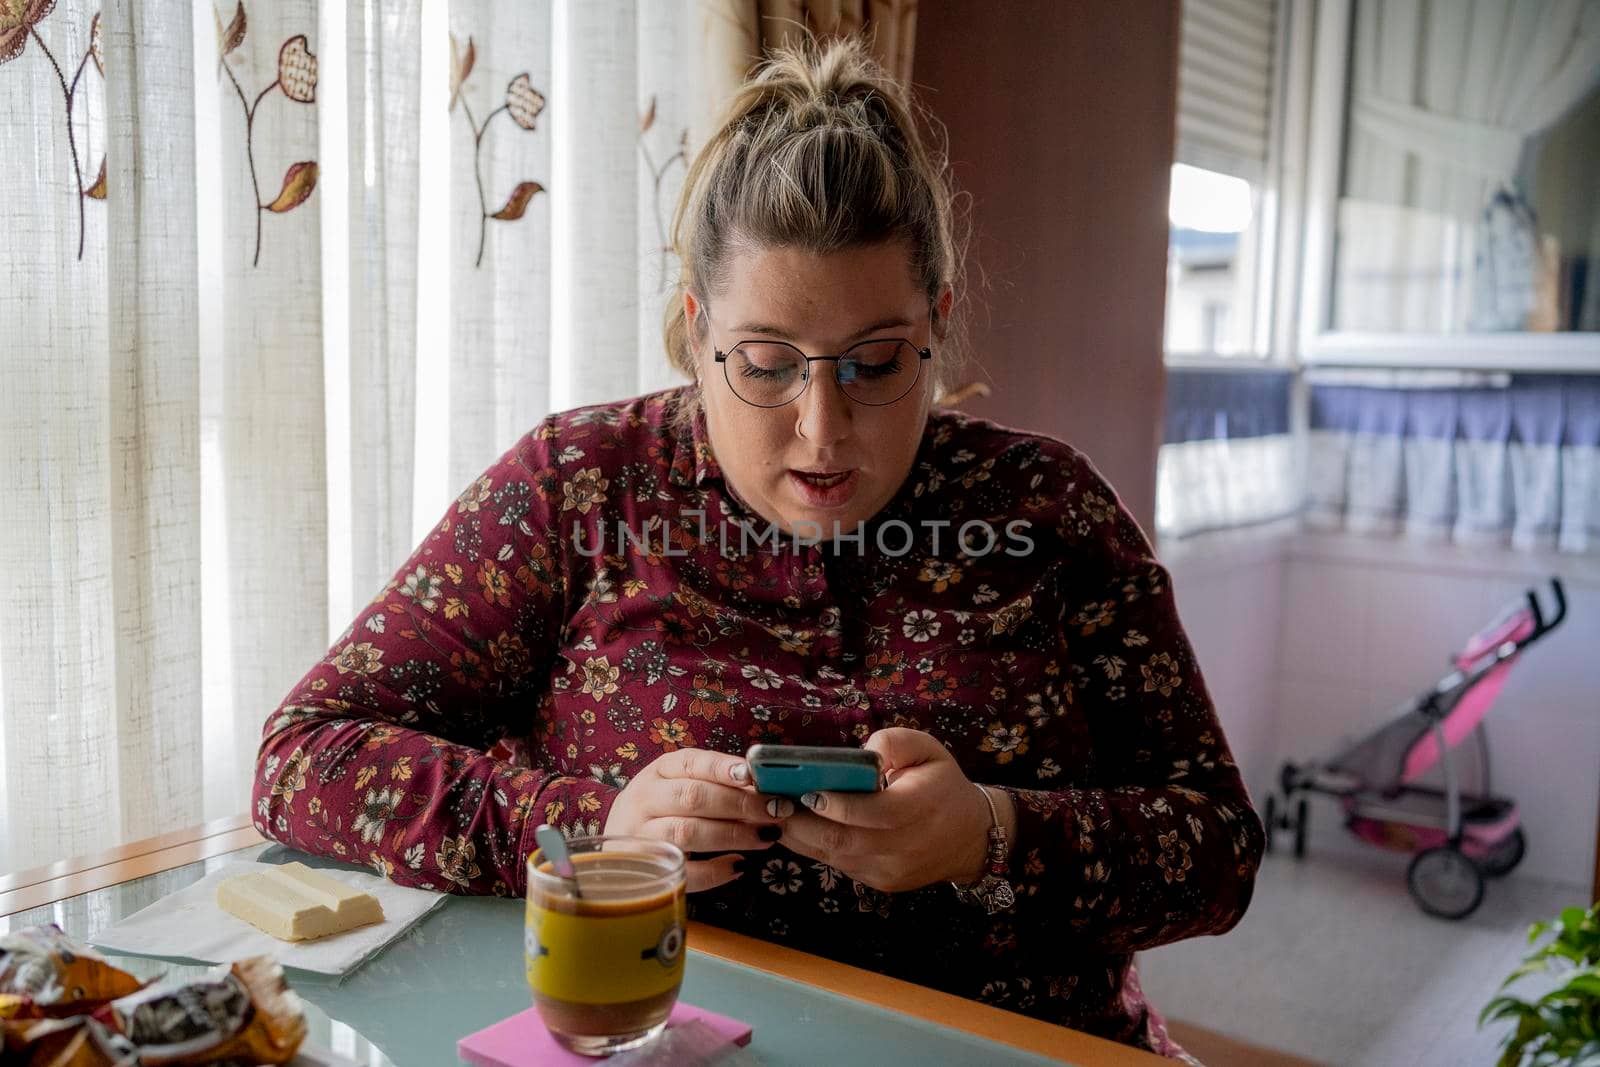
<point>523,1041</point>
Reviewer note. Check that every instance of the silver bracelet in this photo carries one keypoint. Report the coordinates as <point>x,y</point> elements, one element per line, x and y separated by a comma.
<point>991,891</point>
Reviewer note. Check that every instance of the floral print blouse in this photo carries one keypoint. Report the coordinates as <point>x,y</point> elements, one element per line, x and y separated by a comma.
<point>589,603</point>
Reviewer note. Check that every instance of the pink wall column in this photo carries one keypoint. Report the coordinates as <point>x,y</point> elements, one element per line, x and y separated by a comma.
<point>1060,119</point>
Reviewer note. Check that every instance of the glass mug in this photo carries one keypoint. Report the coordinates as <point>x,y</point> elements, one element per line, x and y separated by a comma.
<point>605,966</point>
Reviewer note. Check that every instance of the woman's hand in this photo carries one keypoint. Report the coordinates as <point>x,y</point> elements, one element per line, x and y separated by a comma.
<point>701,801</point>
<point>928,825</point>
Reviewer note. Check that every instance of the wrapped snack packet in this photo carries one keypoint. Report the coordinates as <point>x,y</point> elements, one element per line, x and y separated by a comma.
<point>245,1013</point>
<point>16,1006</point>
<point>44,973</point>
<point>78,1041</point>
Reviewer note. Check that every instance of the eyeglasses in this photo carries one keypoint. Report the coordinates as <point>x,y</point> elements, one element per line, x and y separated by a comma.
<point>770,374</point>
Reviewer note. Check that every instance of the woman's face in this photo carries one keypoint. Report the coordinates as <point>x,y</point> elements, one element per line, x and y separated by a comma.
<point>822,458</point>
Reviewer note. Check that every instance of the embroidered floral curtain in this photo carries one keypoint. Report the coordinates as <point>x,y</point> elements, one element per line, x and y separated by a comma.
<point>99,468</point>
<point>273,463</point>
<point>277,280</point>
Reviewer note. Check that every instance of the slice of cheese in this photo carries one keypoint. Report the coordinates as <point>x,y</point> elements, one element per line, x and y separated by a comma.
<point>295,903</point>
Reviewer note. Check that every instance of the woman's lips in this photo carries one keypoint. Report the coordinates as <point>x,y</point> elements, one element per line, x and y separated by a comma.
<point>830,489</point>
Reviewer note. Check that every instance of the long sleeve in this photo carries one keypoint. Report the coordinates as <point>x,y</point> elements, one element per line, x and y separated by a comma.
<point>1157,841</point>
<point>378,755</point>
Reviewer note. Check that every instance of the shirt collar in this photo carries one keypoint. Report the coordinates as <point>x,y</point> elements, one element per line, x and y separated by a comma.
<point>692,461</point>
<point>705,461</point>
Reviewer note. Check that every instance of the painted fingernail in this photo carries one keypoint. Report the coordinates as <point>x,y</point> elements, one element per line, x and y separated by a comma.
<point>814,801</point>
<point>741,865</point>
<point>779,808</point>
<point>769,834</point>
<point>741,772</point>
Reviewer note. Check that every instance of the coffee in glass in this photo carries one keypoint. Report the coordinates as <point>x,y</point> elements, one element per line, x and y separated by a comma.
<point>605,961</point>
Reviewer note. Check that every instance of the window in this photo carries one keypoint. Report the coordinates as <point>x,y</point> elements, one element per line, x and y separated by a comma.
<point>1472,152</point>
<point>1219,248</point>
<point>1227,458</point>
<point>1211,290</point>
<point>1450,215</point>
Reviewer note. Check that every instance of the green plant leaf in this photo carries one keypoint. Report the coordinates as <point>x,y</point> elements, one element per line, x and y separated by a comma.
<point>1528,1030</point>
<point>1588,1055</point>
<point>1503,1008</point>
<point>1561,1028</point>
<point>1523,969</point>
<point>1565,950</point>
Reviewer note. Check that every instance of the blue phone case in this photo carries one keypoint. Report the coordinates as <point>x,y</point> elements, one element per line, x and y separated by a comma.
<point>793,778</point>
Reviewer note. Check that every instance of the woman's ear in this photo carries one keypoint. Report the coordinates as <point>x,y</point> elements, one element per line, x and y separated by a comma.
<point>941,318</point>
<point>694,321</point>
<point>694,327</point>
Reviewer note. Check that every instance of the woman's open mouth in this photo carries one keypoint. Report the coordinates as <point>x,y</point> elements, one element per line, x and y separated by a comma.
<point>825,489</point>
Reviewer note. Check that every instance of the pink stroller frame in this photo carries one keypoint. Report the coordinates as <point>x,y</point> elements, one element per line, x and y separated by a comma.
<point>1458,839</point>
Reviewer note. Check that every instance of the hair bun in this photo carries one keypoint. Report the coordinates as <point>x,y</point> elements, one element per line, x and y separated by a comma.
<point>819,149</point>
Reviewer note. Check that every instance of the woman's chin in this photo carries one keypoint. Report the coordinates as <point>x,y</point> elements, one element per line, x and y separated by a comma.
<point>809,522</point>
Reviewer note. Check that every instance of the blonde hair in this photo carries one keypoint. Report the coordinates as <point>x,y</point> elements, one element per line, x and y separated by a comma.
<point>819,150</point>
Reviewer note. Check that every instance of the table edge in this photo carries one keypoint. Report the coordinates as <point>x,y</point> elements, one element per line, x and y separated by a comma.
<point>69,878</point>
<point>1003,1027</point>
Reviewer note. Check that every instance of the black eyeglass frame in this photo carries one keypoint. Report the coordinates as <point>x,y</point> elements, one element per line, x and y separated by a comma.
<point>923,355</point>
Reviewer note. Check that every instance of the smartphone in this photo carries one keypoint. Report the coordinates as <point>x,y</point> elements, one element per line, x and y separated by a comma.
<point>790,770</point>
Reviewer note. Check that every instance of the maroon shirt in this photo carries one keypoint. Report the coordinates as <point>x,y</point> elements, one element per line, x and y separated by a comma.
<point>527,661</point>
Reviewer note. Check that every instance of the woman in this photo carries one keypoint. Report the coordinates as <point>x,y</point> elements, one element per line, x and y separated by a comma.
<point>636,592</point>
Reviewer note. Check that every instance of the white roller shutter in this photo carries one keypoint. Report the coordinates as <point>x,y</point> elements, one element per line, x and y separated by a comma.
<point>1225,85</point>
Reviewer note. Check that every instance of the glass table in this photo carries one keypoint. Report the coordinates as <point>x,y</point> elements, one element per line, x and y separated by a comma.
<point>461,969</point>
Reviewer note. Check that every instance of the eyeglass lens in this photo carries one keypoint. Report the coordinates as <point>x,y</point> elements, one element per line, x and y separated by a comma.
<point>771,373</point>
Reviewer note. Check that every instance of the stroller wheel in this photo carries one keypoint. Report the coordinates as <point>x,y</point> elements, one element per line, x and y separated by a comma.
<point>1504,859</point>
<point>1445,883</point>
<point>1302,812</point>
<point>1269,818</point>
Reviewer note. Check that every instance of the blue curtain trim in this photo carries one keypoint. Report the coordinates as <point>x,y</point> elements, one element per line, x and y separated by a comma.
<point>1221,405</point>
<point>1551,410</point>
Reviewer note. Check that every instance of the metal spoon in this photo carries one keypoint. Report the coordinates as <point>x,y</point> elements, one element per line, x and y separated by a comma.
<point>554,847</point>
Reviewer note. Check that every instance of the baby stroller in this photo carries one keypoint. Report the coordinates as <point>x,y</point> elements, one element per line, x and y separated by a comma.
<point>1458,839</point>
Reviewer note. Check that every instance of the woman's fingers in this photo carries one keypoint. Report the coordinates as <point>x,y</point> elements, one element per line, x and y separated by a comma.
<point>705,765</point>
<point>708,874</point>
<point>698,798</point>
<point>709,835</point>
<point>833,843</point>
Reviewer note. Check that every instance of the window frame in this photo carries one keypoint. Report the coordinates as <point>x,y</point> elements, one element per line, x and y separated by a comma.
<point>1319,345</point>
<point>1280,190</point>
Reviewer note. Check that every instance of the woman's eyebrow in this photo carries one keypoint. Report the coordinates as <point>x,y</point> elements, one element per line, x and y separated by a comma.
<point>764,330</point>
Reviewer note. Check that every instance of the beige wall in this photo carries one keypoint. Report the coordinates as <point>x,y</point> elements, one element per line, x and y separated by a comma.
<point>1060,118</point>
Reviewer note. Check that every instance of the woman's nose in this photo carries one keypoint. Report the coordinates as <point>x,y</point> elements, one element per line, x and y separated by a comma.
<point>825,412</point>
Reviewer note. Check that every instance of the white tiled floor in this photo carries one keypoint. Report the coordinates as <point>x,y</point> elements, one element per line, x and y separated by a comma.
<point>1335,963</point>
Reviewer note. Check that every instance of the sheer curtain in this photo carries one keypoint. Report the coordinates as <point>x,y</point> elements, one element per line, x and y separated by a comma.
<point>1228,456</point>
<point>1443,97</point>
<point>340,256</point>
<point>99,442</point>
<point>1514,463</point>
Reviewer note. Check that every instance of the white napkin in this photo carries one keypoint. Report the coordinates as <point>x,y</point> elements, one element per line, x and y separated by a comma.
<point>188,924</point>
